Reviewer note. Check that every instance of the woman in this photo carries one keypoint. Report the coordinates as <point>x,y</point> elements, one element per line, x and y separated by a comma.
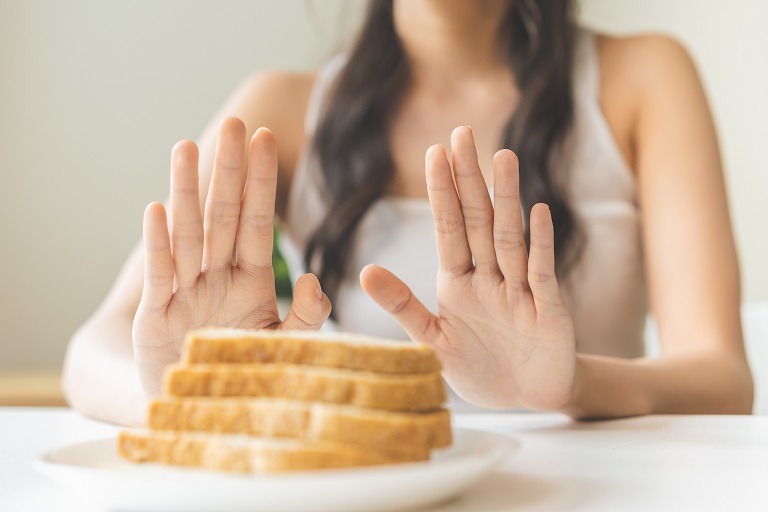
<point>616,147</point>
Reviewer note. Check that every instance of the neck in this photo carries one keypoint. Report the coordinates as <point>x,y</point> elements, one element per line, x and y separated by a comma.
<point>450,38</point>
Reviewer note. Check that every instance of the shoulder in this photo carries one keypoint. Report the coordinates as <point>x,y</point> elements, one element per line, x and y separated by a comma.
<point>276,97</point>
<point>277,100</point>
<point>647,82</point>
<point>648,48</point>
<point>647,65</point>
<point>286,84</point>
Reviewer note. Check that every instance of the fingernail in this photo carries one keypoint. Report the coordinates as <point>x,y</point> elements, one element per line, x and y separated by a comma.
<point>435,147</point>
<point>318,290</point>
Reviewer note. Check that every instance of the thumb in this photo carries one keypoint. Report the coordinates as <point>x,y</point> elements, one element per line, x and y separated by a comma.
<point>310,307</point>
<point>389,292</point>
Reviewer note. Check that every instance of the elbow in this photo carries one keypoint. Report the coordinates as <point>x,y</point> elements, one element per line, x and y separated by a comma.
<point>98,380</point>
<point>735,389</point>
<point>743,390</point>
<point>77,374</point>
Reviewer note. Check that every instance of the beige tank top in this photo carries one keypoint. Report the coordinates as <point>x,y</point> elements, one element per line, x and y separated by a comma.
<point>605,291</point>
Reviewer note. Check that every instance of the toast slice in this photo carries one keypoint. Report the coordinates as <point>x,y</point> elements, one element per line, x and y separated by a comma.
<point>244,454</point>
<point>403,433</point>
<point>417,392</point>
<point>333,350</point>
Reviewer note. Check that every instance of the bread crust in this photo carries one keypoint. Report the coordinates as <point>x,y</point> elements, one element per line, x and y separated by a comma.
<point>354,352</point>
<point>417,392</point>
<point>273,401</point>
<point>243,454</point>
<point>403,433</point>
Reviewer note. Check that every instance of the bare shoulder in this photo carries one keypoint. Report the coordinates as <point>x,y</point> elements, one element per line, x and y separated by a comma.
<point>644,46</point>
<point>644,80</point>
<point>277,100</point>
<point>275,89</point>
<point>647,64</point>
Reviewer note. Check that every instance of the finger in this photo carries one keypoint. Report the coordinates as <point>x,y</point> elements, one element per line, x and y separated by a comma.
<point>222,207</point>
<point>257,215</point>
<point>158,262</point>
<point>541,263</point>
<point>186,219</point>
<point>452,248</point>
<point>389,292</point>
<point>475,202</point>
<point>508,235</point>
<point>310,307</point>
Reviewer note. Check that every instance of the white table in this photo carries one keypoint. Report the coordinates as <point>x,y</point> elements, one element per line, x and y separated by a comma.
<point>652,463</point>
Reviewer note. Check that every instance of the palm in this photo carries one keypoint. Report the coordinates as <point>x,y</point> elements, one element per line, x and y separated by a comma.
<point>192,278</point>
<point>227,301</point>
<point>502,331</point>
<point>490,330</point>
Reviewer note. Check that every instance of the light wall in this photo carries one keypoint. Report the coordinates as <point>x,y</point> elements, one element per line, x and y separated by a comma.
<point>93,94</point>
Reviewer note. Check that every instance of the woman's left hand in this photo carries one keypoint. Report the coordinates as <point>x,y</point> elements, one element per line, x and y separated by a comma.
<point>502,330</point>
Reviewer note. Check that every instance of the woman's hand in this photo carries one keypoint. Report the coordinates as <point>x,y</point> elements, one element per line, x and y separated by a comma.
<point>503,333</point>
<point>192,276</point>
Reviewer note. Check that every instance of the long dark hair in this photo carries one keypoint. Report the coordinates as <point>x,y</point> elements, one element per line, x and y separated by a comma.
<point>352,139</point>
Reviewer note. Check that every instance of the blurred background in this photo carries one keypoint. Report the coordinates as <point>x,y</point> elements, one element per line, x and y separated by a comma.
<point>94,93</point>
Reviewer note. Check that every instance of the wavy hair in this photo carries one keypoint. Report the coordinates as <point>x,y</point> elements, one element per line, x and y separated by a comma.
<point>352,139</point>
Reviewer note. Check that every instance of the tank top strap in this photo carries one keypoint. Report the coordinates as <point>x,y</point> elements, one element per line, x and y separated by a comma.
<point>306,203</point>
<point>591,128</point>
<point>320,91</point>
<point>586,66</point>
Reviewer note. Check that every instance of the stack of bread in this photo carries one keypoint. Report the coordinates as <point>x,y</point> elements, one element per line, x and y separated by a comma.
<point>272,401</point>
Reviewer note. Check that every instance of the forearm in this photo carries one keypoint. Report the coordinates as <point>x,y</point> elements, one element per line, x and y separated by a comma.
<point>607,387</point>
<point>100,378</point>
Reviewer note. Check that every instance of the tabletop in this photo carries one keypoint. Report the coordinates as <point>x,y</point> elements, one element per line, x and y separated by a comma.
<point>647,463</point>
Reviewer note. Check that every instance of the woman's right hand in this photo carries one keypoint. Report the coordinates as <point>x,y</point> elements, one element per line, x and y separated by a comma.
<point>192,277</point>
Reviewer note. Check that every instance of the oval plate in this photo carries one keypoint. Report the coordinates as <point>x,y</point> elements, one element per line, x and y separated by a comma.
<point>95,472</point>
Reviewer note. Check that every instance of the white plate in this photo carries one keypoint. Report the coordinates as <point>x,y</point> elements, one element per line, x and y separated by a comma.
<point>94,470</point>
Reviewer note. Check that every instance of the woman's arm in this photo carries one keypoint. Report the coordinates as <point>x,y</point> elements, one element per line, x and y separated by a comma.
<point>705,383</point>
<point>502,330</point>
<point>99,377</point>
<point>691,262</point>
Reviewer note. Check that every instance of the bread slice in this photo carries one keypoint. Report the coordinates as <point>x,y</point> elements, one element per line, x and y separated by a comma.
<point>245,454</point>
<point>333,350</point>
<point>418,392</point>
<point>403,433</point>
